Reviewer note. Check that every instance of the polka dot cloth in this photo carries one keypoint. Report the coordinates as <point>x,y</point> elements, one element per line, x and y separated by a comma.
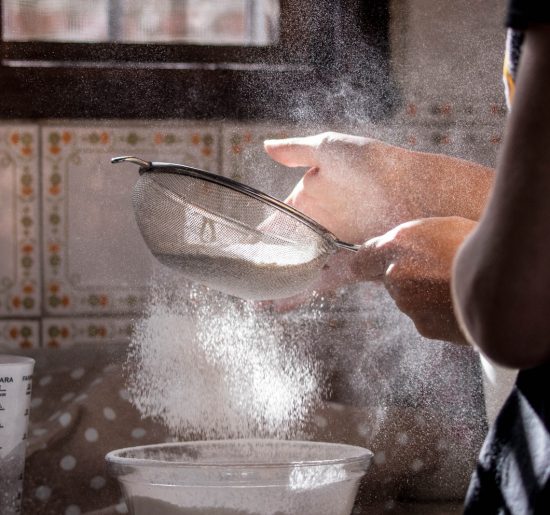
<point>36,402</point>
<point>67,397</point>
<point>320,421</point>
<point>91,434</point>
<point>79,414</point>
<point>45,380</point>
<point>73,509</point>
<point>77,373</point>
<point>109,413</point>
<point>65,419</point>
<point>98,482</point>
<point>42,493</point>
<point>67,462</point>
<point>138,432</point>
<point>81,411</point>
<point>379,457</point>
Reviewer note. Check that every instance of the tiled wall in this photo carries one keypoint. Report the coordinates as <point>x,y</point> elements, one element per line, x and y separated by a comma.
<point>73,266</point>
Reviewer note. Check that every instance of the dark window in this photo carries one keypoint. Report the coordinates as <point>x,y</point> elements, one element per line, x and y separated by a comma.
<point>240,59</point>
<point>199,22</point>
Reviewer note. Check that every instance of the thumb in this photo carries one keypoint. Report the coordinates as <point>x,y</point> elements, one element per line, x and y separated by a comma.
<point>293,151</point>
<point>372,259</point>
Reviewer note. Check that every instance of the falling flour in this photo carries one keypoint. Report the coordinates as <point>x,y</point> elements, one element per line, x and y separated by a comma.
<point>210,366</point>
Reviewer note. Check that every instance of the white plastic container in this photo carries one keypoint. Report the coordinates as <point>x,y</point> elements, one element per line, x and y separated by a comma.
<point>15,400</point>
<point>240,477</point>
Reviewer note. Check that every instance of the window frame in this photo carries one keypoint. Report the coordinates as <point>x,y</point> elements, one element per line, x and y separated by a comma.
<point>162,81</point>
<point>154,53</point>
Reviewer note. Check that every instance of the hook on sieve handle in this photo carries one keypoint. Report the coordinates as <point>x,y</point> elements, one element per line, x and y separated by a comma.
<point>131,159</point>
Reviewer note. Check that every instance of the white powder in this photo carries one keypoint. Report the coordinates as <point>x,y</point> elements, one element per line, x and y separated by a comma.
<point>252,271</point>
<point>330,499</point>
<point>210,366</point>
<point>262,253</point>
<point>309,478</point>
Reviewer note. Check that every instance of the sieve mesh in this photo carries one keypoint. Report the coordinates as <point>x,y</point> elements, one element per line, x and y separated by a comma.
<point>225,239</point>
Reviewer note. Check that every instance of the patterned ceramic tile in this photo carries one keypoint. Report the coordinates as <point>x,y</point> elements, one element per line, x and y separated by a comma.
<point>62,332</point>
<point>19,221</point>
<point>19,334</point>
<point>245,160</point>
<point>443,112</point>
<point>95,260</point>
<point>478,143</point>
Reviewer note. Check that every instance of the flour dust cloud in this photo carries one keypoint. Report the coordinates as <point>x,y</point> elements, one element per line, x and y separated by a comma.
<point>215,367</point>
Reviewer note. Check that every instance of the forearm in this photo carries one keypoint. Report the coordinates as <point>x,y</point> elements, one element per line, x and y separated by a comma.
<point>502,273</point>
<point>456,187</point>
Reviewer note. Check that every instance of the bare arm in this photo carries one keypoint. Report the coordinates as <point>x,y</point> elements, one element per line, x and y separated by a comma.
<point>360,187</point>
<point>442,185</point>
<point>501,280</point>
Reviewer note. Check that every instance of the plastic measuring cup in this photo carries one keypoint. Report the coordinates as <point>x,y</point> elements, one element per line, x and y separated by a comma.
<point>15,399</point>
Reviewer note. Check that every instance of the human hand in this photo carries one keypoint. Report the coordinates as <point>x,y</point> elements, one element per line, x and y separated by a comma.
<point>346,189</point>
<point>414,260</point>
<point>360,187</point>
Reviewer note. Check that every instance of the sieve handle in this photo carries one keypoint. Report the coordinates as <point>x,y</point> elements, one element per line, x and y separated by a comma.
<point>347,246</point>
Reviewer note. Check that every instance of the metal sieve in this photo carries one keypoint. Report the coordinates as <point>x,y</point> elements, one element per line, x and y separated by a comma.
<point>227,235</point>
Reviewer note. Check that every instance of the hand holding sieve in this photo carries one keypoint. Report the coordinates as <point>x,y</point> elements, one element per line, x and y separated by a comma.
<point>227,235</point>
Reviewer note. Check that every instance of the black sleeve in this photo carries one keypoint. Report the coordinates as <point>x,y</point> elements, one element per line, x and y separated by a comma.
<point>522,13</point>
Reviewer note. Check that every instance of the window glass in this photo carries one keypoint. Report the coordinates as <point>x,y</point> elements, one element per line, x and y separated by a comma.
<point>201,22</point>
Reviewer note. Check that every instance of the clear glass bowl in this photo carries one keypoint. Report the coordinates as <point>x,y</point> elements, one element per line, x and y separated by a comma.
<point>240,477</point>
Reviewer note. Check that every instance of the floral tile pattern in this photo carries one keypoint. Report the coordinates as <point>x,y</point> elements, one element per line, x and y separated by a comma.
<point>465,131</point>
<point>19,334</point>
<point>94,258</point>
<point>62,332</point>
<point>19,221</point>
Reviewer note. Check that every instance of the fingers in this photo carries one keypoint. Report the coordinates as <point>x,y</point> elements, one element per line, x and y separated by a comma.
<point>294,151</point>
<point>372,260</point>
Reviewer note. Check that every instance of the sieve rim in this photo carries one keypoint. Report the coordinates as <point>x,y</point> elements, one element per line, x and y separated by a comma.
<point>190,171</point>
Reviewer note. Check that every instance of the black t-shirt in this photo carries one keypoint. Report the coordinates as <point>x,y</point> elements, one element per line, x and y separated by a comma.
<point>522,13</point>
<point>513,472</point>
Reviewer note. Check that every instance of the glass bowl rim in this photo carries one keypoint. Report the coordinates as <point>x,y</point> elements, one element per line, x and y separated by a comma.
<point>363,455</point>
